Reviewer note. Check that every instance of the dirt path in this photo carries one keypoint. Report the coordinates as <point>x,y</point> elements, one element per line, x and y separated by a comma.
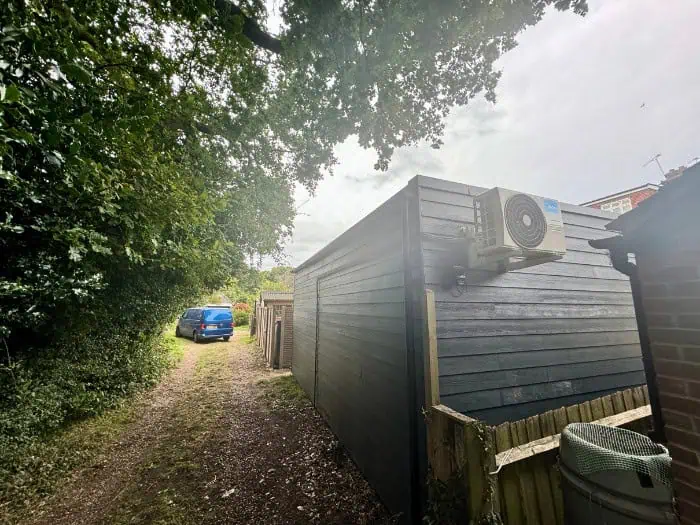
<point>222,440</point>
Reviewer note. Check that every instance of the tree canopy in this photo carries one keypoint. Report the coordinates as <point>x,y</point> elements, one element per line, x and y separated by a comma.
<point>141,132</point>
<point>149,148</point>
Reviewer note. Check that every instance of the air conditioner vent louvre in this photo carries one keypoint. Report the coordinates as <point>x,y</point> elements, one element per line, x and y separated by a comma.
<point>525,221</point>
<point>516,229</point>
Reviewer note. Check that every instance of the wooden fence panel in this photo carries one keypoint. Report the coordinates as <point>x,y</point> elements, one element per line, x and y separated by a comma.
<point>540,470</point>
<point>266,334</point>
<point>512,469</point>
<point>509,480</point>
<point>524,453</point>
<point>540,498</point>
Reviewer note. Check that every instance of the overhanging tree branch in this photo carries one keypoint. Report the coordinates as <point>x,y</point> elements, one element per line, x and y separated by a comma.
<point>227,11</point>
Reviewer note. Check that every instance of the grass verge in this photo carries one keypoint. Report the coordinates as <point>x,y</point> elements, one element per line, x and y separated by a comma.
<point>168,486</point>
<point>41,465</point>
<point>282,391</point>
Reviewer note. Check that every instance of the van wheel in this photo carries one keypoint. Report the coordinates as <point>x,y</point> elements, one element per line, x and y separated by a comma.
<point>177,332</point>
<point>226,338</point>
<point>195,337</point>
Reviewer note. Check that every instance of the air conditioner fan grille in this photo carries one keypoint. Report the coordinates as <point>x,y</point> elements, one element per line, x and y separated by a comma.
<point>525,221</point>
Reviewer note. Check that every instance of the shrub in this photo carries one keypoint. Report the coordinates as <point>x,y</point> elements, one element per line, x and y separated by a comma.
<point>242,307</point>
<point>117,211</point>
<point>240,318</point>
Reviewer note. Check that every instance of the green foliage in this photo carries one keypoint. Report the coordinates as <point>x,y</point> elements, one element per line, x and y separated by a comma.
<point>148,149</point>
<point>283,391</point>
<point>69,386</point>
<point>391,71</point>
<point>246,287</point>
<point>131,181</point>
<point>240,318</point>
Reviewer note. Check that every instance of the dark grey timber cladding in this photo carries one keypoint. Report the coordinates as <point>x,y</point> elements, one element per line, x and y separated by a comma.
<point>361,384</point>
<point>520,343</point>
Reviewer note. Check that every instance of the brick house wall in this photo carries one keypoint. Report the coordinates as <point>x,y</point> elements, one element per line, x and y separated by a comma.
<point>670,276</point>
<point>635,198</point>
<point>639,196</point>
<point>664,235</point>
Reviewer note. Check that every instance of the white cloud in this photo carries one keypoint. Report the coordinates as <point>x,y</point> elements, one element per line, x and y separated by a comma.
<point>567,123</point>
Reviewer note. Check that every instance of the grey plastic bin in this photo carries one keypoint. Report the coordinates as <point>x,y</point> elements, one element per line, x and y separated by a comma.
<point>614,476</point>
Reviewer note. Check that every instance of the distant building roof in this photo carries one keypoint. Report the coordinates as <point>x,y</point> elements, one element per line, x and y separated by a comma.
<point>652,217</point>
<point>619,195</point>
<point>276,296</point>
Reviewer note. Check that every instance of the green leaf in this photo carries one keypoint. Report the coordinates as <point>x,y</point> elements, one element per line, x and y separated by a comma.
<point>77,73</point>
<point>9,93</point>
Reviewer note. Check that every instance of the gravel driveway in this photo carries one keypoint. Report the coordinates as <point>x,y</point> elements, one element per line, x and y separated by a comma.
<point>221,440</point>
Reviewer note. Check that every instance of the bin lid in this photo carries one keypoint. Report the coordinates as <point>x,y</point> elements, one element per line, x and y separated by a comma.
<point>586,448</point>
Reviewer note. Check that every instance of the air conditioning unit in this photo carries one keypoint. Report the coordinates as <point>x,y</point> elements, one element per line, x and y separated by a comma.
<point>515,230</point>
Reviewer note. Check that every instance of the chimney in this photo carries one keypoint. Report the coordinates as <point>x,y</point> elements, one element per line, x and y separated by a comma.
<point>673,174</point>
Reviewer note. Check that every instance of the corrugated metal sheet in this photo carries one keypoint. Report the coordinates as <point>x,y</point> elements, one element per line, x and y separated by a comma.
<point>519,343</point>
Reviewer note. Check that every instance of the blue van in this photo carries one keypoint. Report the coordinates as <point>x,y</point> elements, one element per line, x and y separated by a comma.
<point>206,322</point>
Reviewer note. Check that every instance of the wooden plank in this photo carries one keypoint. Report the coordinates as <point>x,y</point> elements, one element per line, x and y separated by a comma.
<point>518,433</point>
<point>520,376</point>
<point>474,473</point>
<point>476,364</point>
<point>461,310</point>
<point>526,479</point>
<point>521,452</point>
<point>439,250</point>
<point>618,402</point>
<point>645,391</point>
<point>638,396</point>
<point>508,480</point>
<point>430,351</point>
<point>586,412</point>
<point>453,414</point>
<point>561,419</point>
<point>435,275</point>
<point>608,408</point>
<point>438,446</point>
<point>506,327</point>
<point>544,489</point>
<point>641,426</point>
<point>549,428</point>
<point>626,417</point>
<point>597,409</point>
<point>628,399</point>
<point>493,294</point>
<point>547,424</point>
<point>573,414</point>
<point>481,345</point>
<point>459,451</point>
<point>385,310</point>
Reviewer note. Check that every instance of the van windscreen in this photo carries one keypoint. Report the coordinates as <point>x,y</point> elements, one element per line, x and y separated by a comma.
<point>217,314</point>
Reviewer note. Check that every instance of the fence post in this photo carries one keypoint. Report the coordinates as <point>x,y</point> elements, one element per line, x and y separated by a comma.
<point>480,454</point>
<point>277,345</point>
<point>430,353</point>
<point>270,334</point>
<point>286,343</point>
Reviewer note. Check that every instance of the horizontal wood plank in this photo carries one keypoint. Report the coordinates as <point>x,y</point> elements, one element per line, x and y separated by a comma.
<point>505,327</point>
<point>480,345</point>
<point>540,446</point>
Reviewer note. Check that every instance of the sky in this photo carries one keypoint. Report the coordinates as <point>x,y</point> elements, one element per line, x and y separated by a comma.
<point>582,104</point>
